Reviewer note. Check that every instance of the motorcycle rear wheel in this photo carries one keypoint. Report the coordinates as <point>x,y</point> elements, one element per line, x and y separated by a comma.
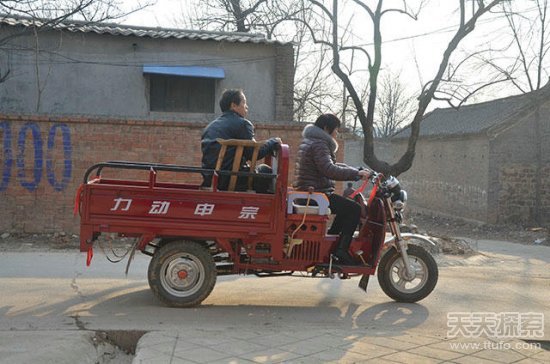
<point>182,273</point>
<point>392,277</point>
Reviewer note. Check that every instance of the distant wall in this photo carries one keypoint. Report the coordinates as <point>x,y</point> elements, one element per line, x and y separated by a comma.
<point>520,170</point>
<point>43,160</point>
<point>447,176</point>
<point>502,177</point>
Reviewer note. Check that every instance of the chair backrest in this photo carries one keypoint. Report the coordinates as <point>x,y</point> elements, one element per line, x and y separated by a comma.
<point>239,145</point>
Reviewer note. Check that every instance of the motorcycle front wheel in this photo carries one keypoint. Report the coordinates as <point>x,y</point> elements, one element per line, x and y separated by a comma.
<point>393,278</point>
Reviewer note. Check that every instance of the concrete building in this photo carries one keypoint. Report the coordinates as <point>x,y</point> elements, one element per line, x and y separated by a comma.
<point>488,162</point>
<point>77,94</point>
<point>141,73</point>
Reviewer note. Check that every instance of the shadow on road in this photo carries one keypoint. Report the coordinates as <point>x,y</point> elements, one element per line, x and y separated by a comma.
<point>326,327</point>
<point>146,312</point>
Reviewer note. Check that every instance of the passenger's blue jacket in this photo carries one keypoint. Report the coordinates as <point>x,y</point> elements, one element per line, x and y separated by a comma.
<point>229,125</point>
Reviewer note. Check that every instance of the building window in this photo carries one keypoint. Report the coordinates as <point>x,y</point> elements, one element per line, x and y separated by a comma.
<point>189,89</point>
<point>182,94</point>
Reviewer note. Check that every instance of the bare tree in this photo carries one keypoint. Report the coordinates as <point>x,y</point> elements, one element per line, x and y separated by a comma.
<point>314,84</point>
<point>527,69</point>
<point>458,86</point>
<point>395,106</point>
<point>245,15</point>
<point>50,12</point>
<point>523,60</point>
<point>311,87</point>
<point>468,16</point>
<point>230,15</point>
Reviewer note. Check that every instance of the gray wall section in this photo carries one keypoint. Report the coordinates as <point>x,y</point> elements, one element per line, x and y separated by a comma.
<point>498,177</point>
<point>447,176</point>
<point>354,151</point>
<point>92,74</point>
<point>450,176</point>
<point>544,135</point>
<point>520,169</point>
<point>353,154</point>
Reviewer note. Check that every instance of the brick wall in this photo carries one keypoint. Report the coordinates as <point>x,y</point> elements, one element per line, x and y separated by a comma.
<point>43,160</point>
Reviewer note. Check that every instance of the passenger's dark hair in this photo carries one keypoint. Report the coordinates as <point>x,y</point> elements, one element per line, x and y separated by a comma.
<point>229,97</point>
<point>329,121</point>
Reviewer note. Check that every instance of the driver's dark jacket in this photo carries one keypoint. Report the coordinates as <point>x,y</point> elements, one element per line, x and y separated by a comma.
<point>229,125</point>
<point>316,162</point>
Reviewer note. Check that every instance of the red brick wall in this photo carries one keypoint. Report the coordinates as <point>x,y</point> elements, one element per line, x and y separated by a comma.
<point>43,160</point>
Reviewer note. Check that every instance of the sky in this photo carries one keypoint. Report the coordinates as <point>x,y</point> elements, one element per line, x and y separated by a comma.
<point>411,48</point>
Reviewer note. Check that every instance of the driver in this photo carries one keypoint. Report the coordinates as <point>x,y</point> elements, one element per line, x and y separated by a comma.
<point>316,167</point>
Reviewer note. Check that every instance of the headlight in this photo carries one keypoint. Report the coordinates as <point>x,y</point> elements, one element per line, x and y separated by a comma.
<point>400,201</point>
<point>391,183</point>
<point>393,187</point>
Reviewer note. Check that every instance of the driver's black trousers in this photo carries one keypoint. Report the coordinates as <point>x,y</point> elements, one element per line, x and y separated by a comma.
<point>348,213</point>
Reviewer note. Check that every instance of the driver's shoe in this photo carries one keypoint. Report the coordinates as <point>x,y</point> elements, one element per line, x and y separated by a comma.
<point>342,254</point>
<point>344,258</point>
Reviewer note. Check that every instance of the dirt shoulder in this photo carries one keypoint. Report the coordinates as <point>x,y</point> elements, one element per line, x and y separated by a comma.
<point>20,242</point>
<point>434,225</point>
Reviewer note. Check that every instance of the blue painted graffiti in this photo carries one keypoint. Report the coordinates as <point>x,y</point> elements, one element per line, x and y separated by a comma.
<point>32,182</point>
<point>8,160</point>
<point>67,165</point>
<point>37,170</point>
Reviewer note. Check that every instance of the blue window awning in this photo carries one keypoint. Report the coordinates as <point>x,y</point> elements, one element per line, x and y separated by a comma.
<point>187,71</point>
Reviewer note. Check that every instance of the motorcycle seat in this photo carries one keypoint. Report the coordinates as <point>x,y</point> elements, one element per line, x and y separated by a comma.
<point>297,203</point>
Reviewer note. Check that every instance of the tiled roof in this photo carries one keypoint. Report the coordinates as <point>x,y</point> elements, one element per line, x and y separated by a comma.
<point>137,31</point>
<point>476,118</point>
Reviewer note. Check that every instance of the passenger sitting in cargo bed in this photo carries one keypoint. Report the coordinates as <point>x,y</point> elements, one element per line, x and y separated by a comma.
<point>233,125</point>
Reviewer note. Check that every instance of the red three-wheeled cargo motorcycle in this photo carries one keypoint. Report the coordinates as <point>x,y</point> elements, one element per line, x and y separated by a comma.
<point>194,234</point>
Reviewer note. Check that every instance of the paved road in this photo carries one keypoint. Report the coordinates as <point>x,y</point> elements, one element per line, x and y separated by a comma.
<point>54,293</point>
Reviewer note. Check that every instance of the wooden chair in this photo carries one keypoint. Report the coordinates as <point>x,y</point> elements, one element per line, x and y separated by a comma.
<point>239,145</point>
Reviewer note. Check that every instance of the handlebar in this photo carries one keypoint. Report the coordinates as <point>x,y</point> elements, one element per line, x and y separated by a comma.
<point>376,179</point>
